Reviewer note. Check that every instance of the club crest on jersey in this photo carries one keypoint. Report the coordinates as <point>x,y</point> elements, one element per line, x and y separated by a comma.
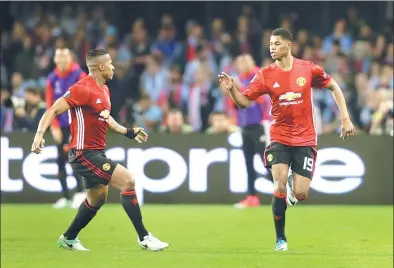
<point>106,166</point>
<point>104,115</point>
<point>269,157</point>
<point>301,81</point>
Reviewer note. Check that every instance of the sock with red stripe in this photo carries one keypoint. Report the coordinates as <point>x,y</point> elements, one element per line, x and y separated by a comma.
<point>132,208</point>
<point>84,215</point>
<point>279,207</point>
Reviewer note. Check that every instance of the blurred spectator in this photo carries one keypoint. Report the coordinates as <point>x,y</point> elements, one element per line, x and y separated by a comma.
<point>166,43</point>
<point>17,86</point>
<point>254,32</point>
<point>28,117</point>
<point>147,115</point>
<point>174,97</point>
<point>242,35</point>
<point>7,112</point>
<point>190,75</point>
<point>44,50</point>
<point>139,44</point>
<point>217,37</point>
<point>354,22</point>
<point>109,35</point>
<point>383,113</point>
<point>68,21</point>
<point>302,39</point>
<point>182,73</point>
<point>121,90</point>
<point>188,49</point>
<point>345,41</point>
<point>200,101</point>
<point>220,124</point>
<point>81,45</point>
<point>155,79</point>
<point>389,57</point>
<point>24,60</point>
<point>3,75</point>
<point>175,123</point>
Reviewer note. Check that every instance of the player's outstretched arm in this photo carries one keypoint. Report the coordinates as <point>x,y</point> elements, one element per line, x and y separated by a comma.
<point>136,133</point>
<point>59,107</point>
<point>347,128</point>
<point>227,83</point>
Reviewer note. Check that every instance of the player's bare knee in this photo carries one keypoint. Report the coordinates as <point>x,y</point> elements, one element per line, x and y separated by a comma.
<point>301,195</point>
<point>280,186</point>
<point>128,184</point>
<point>280,179</point>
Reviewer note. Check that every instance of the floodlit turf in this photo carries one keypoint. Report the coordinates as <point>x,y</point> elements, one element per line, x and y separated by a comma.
<point>202,237</point>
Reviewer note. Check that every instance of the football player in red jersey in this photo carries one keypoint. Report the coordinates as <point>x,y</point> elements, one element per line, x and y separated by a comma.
<point>289,82</point>
<point>89,106</point>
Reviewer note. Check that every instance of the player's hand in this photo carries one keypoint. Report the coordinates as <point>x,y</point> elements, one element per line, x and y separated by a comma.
<point>226,82</point>
<point>140,135</point>
<point>38,144</point>
<point>57,134</point>
<point>347,129</point>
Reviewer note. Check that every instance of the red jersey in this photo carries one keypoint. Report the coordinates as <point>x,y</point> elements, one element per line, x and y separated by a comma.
<point>292,100</point>
<point>89,113</point>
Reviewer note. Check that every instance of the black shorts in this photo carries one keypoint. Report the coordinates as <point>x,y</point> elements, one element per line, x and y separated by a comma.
<point>92,166</point>
<point>301,159</point>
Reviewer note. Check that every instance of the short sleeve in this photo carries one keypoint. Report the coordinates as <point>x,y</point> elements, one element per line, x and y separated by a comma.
<point>256,88</point>
<point>76,96</point>
<point>320,79</point>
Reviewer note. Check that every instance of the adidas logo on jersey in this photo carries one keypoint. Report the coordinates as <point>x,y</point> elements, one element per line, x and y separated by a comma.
<point>276,85</point>
<point>98,101</point>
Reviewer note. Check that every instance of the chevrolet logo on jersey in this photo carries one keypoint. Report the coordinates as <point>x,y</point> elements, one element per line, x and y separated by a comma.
<point>290,96</point>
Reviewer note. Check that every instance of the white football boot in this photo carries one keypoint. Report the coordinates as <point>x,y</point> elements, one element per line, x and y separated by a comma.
<point>281,245</point>
<point>73,244</point>
<point>291,200</point>
<point>150,242</point>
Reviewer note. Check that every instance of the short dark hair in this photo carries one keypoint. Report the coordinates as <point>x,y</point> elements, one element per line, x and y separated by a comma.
<point>284,33</point>
<point>34,91</point>
<point>94,53</point>
<point>174,110</point>
<point>144,96</point>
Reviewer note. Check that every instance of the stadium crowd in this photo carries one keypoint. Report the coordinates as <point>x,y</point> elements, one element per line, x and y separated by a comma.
<point>168,84</point>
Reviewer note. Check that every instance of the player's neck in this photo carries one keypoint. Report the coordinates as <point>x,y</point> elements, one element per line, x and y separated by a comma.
<point>286,64</point>
<point>100,81</point>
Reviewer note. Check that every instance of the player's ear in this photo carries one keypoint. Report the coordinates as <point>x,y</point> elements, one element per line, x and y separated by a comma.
<point>101,67</point>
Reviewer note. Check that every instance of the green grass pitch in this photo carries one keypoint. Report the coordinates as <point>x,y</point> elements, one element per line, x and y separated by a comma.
<point>202,237</point>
